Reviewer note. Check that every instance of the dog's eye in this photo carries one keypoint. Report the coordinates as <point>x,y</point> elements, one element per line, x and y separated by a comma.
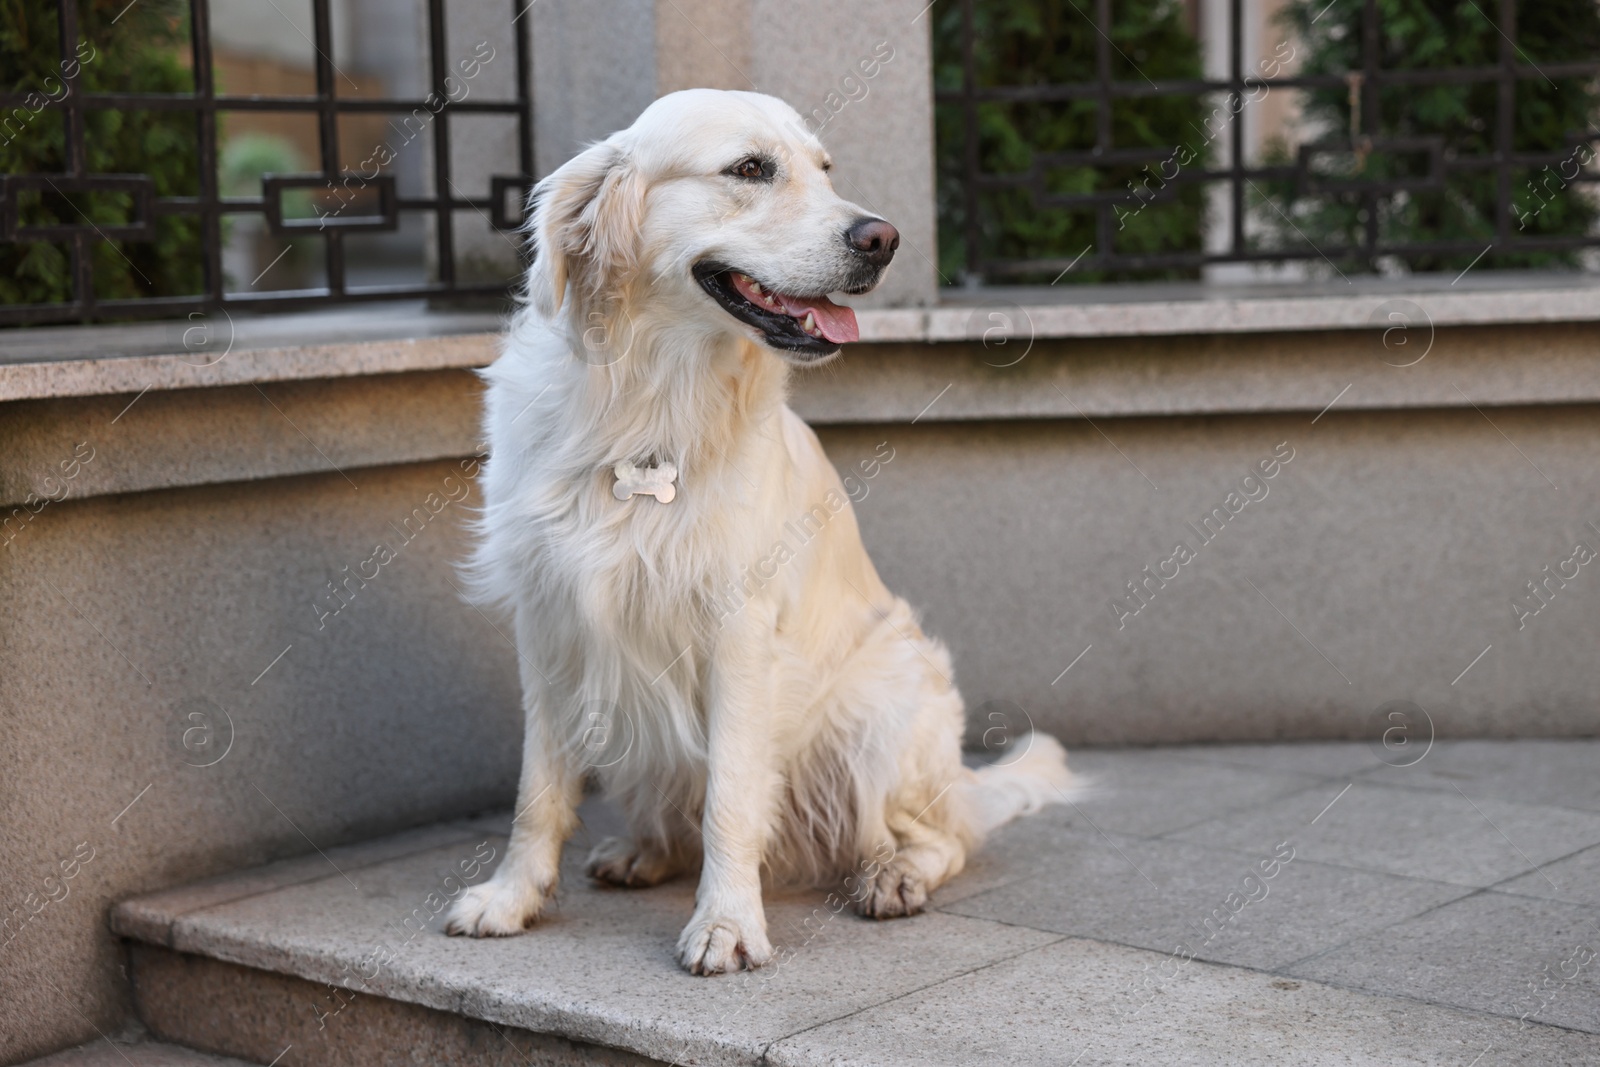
<point>753,167</point>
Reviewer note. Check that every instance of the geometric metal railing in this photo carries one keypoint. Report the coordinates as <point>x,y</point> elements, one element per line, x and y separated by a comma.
<point>1165,175</point>
<point>378,195</point>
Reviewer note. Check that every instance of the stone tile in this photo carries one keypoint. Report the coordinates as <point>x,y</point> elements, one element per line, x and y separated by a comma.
<point>1086,1003</point>
<point>991,866</point>
<point>1487,952</point>
<point>1153,791</point>
<point>1087,885</point>
<point>1378,900</point>
<point>600,967</point>
<point>1562,773</point>
<point>1437,835</point>
<point>1128,791</point>
<point>1323,759</point>
<point>149,917</point>
<point>135,1053</point>
<point>1575,880</point>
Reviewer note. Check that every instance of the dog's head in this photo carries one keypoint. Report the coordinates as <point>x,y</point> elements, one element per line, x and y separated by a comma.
<point>717,205</point>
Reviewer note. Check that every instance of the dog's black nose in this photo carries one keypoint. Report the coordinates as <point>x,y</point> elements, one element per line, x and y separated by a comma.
<point>874,240</point>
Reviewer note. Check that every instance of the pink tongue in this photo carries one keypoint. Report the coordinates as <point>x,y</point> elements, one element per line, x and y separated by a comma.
<point>837,322</point>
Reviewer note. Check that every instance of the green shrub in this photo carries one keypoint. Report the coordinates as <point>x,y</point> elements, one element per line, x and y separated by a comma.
<point>1032,42</point>
<point>245,159</point>
<point>139,53</point>
<point>1550,116</point>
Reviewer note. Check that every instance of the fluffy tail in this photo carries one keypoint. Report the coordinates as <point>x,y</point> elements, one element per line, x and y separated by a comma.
<point>1000,792</point>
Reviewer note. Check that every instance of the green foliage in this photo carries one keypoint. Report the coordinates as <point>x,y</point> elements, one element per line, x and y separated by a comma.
<point>1551,116</point>
<point>1036,42</point>
<point>246,158</point>
<point>142,52</point>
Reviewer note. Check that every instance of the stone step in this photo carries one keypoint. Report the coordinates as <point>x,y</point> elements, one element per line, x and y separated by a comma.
<point>108,1052</point>
<point>1057,943</point>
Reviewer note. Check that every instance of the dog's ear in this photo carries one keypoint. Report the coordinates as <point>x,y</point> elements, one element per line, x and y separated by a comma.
<point>585,226</point>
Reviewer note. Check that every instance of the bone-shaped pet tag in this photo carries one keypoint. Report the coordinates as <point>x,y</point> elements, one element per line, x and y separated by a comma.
<point>649,481</point>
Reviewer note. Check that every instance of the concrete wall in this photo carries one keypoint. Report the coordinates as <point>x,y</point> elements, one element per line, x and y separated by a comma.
<point>879,128</point>
<point>1393,544</point>
<point>135,634</point>
<point>147,608</point>
<point>594,70</point>
<point>1420,503</point>
<point>606,60</point>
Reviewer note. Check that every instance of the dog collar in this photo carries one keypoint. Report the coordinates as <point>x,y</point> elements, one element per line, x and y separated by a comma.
<point>648,481</point>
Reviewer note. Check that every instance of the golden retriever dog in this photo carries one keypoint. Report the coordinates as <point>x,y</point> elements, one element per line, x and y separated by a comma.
<point>698,624</point>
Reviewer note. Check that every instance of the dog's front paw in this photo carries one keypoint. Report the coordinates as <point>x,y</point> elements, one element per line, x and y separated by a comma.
<point>498,908</point>
<point>718,944</point>
<point>897,889</point>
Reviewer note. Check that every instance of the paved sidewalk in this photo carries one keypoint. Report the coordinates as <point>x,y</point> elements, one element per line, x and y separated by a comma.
<point>1250,904</point>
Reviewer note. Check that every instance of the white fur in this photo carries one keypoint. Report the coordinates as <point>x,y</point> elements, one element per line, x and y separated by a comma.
<point>805,727</point>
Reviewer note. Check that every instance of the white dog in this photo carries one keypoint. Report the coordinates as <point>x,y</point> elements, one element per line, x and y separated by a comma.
<point>788,718</point>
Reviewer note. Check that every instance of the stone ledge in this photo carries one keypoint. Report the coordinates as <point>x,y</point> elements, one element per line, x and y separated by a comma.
<point>193,999</point>
<point>1206,375</point>
<point>193,353</point>
<point>216,433</point>
<point>205,368</point>
<point>1195,308</point>
<point>236,433</point>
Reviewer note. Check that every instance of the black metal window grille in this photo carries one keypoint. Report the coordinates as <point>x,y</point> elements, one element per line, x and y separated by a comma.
<point>210,207</point>
<point>1232,169</point>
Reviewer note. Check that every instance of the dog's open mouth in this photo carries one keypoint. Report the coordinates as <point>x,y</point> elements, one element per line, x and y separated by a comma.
<point>810,326</point>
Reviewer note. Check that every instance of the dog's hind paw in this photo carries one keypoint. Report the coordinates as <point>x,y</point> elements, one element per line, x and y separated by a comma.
<point>497,908</point>
<point>897,890</point>
<point>721,945</point>
<point>619,861</point>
